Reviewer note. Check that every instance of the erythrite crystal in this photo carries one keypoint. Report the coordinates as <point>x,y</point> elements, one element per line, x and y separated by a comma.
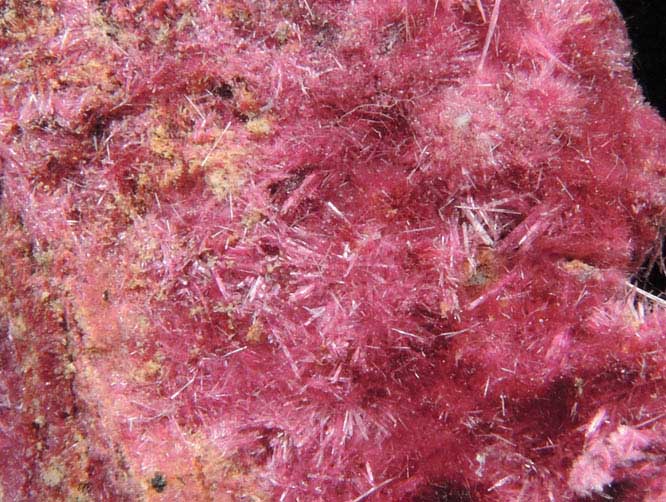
<point>327,250</point>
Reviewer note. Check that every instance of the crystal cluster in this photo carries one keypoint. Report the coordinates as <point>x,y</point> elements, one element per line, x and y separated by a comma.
<point>327,250</point>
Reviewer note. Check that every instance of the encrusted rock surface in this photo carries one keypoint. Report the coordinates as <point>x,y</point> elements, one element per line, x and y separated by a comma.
<point>327,250</point>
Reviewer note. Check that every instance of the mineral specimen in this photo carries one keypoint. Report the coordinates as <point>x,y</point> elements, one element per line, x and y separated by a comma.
<point>328,250</point>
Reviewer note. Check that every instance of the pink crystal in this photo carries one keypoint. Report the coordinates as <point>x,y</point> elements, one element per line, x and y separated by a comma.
<point>331,250</point>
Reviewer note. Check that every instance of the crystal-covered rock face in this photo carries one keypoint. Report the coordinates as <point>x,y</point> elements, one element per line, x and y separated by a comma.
<point>327,250</point>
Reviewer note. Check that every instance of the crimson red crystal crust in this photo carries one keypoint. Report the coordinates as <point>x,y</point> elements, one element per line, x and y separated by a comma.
<point>327,250</point>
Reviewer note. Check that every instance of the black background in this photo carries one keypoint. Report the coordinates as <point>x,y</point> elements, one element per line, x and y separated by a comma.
<point>646,21</point>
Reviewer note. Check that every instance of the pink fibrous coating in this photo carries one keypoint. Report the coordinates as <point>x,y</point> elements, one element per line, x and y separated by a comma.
<point>331,250</point>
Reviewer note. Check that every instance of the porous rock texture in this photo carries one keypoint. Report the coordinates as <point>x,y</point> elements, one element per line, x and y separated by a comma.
<point>327,250</point>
